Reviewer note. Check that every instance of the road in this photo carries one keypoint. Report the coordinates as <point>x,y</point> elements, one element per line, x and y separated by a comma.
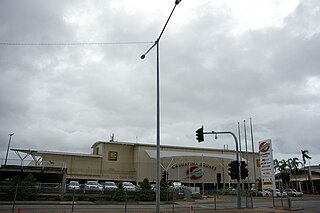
<point>305,204</point>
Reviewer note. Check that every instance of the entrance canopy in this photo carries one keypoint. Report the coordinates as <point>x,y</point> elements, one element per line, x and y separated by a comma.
<point>171,154</point>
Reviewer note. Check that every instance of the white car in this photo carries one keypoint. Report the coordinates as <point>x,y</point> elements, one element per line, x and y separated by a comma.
<point>293,192</point>
<point>109,186</point>
<point>128,186</point>
<point>73,185</point>
<point>277,193</point>
<point>92,185</point>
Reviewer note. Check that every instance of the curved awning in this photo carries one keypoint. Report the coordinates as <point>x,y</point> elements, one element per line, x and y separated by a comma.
<point>170,154</point>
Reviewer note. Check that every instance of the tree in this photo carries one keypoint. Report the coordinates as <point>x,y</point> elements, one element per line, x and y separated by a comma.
<point>294,162</point>
<point>283,166</point>
<point>164,190</point>
<point>276,165</point>
<point>145,193</point>
<point>26,187</point>
<point>305,154</point>
<point>290,166</point>
<point>120,193</point>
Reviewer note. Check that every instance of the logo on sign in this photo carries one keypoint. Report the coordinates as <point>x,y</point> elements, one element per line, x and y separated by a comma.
<point>264,146</point>
<point>194,172</point>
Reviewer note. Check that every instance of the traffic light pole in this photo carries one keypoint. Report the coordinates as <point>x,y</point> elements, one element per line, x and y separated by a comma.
<point>237,154</point>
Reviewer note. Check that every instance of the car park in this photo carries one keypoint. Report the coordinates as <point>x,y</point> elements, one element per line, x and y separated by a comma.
<point>256,192</point>
<point>267,192</point>
<point>73,185</point>
<point>293,193</point>
<point>109,186</point>
<point>92,186</point>
<point>275,193</point>
<point>128,186</point>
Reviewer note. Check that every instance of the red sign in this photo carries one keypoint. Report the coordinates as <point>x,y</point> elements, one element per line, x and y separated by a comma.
<point>264,146</point>
<point>194,172</point>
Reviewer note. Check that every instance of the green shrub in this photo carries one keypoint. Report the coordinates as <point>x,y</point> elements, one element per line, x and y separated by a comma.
<point>120,194</point>
<point>145,193</point>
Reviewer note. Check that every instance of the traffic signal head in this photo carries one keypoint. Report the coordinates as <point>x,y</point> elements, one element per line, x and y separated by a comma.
<point>199,135</point>
<point>165,175</point>
<point>218,177</point>
<point>234,170</point>
<point>244,170</point>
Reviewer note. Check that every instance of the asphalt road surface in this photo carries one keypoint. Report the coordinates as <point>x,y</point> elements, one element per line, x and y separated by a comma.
<point>305,204</point>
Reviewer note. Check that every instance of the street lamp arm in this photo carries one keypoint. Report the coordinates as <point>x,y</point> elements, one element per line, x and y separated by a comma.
<point>157,41</point>
<point>166,23</point>
<point>144,55</point>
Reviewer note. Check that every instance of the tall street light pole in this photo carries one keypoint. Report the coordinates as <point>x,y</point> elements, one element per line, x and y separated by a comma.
<point>156,43</point>
<point>10,135</point>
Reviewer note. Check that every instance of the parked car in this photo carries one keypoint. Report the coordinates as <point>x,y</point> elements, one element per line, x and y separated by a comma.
<point>93,186</point>
<point>129,186</point>
<point>73,185</point>
<point>256,192</point>
<point>109,186</point>
<point>277,193</point>
<point>293,193</point>
<point>267,192</point>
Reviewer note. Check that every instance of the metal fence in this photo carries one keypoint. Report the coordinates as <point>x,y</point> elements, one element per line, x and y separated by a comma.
<point>12,195</point>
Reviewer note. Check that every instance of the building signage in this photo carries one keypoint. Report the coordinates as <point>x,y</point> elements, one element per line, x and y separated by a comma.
<point>194,172</point>
<point>112,155</point>
<point>266,165</point>
<point>193,164</point>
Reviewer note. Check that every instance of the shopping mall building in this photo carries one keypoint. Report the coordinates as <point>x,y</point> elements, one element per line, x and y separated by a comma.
<point>123,161</point>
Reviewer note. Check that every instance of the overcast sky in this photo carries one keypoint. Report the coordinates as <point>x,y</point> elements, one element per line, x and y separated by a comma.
<point>221,62</point>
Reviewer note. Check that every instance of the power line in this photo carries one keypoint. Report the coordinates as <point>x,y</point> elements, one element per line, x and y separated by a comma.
<point>73,43</point>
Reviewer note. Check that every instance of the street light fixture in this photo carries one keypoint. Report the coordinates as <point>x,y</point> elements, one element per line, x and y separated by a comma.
<point>156,43</point>
<point>10,135</point>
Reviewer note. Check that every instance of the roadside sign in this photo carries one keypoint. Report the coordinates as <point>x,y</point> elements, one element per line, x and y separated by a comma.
<point>266,165</point>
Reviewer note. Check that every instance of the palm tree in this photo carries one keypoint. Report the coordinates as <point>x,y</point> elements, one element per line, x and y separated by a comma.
<point>295,165</point>
<point>305,154</point>
<point>276,165</point>
<point>290,166</point>
<point>283,165</point>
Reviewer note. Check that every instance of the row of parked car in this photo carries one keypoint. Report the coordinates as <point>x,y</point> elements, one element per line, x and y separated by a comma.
<point>284,193</point>
<point>95,186</point>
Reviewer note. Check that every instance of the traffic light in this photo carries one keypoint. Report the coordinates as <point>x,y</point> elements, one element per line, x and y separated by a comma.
<point>165,176</point>
<point>234,170</point>
<point>243,170</point>
<point>218,177</point>
<point>199,135</point>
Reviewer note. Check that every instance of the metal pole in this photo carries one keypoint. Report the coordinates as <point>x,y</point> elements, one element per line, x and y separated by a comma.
<point>158,133</point>
<point>158,108</point>
<point>10,135</point>
<point>239,132</point>
<point>253,154</point>
<point>74,189</point>
<point>237,155</point>
<point>14,198</point>
<point>240,154</point>
<point>246,143</point>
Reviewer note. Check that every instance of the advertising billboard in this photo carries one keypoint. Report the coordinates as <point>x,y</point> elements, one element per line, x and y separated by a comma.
<point>266,165</point>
